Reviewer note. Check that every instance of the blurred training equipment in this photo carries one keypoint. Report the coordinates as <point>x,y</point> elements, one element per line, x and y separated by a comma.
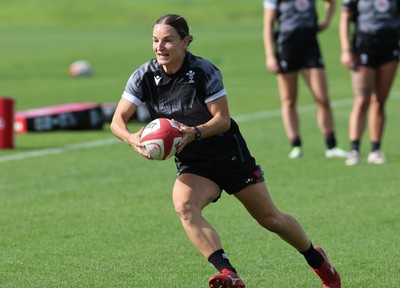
<point>6,123</point>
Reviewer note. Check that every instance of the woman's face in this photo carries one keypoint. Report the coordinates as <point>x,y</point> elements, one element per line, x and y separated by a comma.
<point>169,47</point>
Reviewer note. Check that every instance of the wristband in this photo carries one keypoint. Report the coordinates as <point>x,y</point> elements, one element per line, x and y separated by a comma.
<point>197,134</point>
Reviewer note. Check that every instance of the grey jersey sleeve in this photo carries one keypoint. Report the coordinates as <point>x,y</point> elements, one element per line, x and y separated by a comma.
<point>132,91</point>
<point>213,87</point>
<point>134,87</point>
<point>271,4</point>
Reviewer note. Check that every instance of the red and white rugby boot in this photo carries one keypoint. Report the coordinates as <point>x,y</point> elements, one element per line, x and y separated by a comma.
<point>226,279</point>
<point>329,276</point>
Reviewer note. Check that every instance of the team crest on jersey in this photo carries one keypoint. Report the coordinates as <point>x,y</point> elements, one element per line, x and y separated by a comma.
<point>190,74</point>
<point>302,5</point>
<point>382,5</point>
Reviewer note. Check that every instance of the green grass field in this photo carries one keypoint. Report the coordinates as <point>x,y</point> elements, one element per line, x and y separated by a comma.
<point>80,209</point>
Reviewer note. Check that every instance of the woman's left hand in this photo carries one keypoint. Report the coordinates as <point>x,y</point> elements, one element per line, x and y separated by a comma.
<point>322,27</point>
<point>188,135</point>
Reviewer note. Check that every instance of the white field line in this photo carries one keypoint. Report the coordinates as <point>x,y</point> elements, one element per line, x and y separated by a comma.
<point>277,112</point>
<point>108,141</point>
<point>58,150</point>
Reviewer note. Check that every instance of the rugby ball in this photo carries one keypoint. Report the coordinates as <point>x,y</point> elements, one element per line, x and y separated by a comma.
<point>160,137</point>
<point>80,68</point>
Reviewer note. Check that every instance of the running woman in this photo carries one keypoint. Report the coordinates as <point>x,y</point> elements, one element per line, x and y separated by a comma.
<point>212,155</point>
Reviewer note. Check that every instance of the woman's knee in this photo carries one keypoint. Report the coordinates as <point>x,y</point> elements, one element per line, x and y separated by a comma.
<point>186,211</point>
<point>377,103</point>
<point>183,210</point>
<point>361,104</point>
<point>323,103</point>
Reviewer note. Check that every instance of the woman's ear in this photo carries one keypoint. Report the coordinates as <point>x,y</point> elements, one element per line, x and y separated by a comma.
<point>186,41</point>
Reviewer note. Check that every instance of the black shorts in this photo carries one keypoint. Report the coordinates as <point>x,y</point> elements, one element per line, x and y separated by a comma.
<point>223,159</point>
<point>298,50</point>
<point>231,181</point>
<point>374,50</point>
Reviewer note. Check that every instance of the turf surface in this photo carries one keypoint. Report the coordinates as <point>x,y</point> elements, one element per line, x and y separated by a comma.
<point>80,210</point>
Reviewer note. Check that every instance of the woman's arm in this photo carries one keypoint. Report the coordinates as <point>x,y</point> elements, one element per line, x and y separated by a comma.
<point>344,35</point>
<point>219,123</point>
<point>119,126</point>
<point>330,6</point>
<point>269,40</point>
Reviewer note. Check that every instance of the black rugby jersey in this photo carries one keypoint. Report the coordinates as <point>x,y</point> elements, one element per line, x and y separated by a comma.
<point>374,16</point>
<point>294,14</point>
<point>181,96</point>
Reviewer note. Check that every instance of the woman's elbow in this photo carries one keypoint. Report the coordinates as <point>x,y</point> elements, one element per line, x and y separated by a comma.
<point>226,125</point>
<point>114,126</point>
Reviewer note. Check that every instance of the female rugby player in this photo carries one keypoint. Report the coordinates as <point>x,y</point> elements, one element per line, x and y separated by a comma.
<point>212,155</point>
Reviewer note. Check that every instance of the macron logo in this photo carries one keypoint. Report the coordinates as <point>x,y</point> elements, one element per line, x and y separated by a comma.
<point>234,280</point>
<point>333,270</point>
<point>157,79</point>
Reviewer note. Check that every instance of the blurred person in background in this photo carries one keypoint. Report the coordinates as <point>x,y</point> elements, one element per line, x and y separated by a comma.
<point>212,155</point>
<point>293,48</point>
<point>373,56</point>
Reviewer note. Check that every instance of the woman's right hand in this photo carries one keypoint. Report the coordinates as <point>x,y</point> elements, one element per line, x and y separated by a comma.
<point>272,64</point>
<point>134,141</point>
<point>346,58</point>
